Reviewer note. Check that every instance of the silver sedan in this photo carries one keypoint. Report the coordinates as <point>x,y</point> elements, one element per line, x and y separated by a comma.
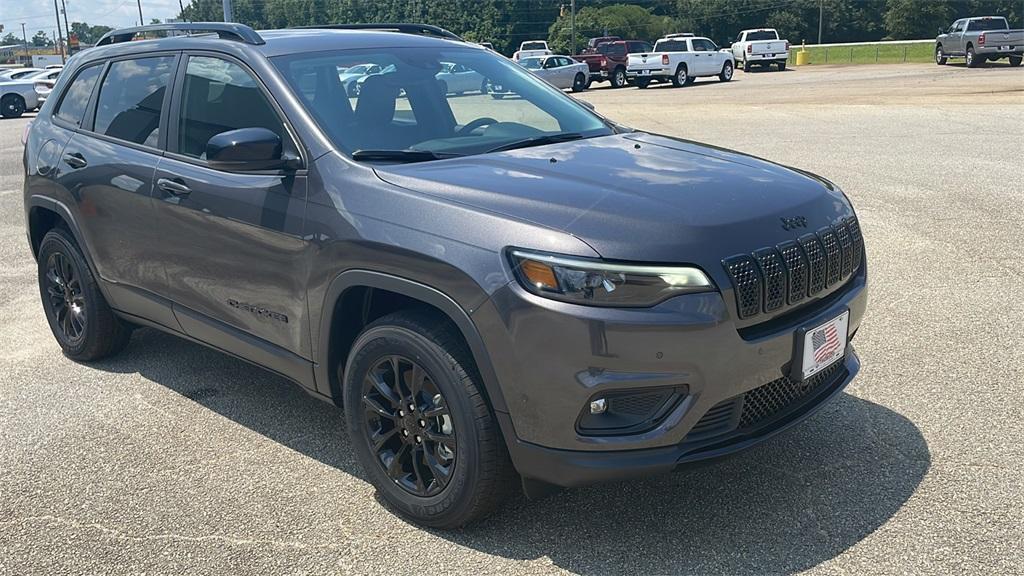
<point>560,71</point>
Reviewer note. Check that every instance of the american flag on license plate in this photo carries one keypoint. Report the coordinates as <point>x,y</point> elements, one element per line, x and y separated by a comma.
<point>825,342</point>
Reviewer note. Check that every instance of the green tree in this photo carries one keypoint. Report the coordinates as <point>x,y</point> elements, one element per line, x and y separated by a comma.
<point>625,20</point>
<point>909,19</point>
<point>9,39</point>
<point>41,39</point>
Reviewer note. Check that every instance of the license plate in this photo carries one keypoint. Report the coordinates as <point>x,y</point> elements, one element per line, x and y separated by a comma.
<point>645,72</point>
<point>823,345</point>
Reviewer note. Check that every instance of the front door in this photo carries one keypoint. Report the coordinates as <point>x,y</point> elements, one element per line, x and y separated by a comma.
<point>233,247</point>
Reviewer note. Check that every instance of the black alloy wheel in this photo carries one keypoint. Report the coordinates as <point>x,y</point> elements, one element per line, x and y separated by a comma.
<point>65,296</point>
<point>409,426</point>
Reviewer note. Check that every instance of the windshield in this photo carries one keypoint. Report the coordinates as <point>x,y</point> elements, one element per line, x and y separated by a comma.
<point>532,63</point>
<point>534,46</point>
<point>762,35</point>
<point>987,24</point>
<point>413,106</point>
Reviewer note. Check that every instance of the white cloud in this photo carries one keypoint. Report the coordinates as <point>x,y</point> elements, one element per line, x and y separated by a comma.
<point>116,13</point>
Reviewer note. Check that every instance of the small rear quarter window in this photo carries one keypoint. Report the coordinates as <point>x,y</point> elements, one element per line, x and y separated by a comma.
<point>76,97</point>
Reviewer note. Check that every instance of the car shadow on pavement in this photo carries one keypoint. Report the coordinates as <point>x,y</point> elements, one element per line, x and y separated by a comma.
<point>795,501</point>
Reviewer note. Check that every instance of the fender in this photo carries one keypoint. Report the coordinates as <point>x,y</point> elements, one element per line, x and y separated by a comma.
<point>37,201</point>
<point>412,289</point>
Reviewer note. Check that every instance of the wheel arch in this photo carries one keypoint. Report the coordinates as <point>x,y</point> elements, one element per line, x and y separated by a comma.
<point>352,292</point>
<point>44,214</point>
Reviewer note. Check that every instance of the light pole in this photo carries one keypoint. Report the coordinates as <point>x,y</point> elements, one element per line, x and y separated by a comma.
<point>60,40</point>
<point>24,37</point>
<point>572,25</point>
<point>228,16</point>
<point>67,29</point>
<point>141,21</point>
<point>821,12</point>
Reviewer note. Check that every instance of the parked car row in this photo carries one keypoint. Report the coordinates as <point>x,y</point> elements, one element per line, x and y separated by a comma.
<point>25,89</point>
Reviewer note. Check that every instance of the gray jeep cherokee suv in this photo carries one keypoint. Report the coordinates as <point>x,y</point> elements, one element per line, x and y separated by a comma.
<point>499,291</point>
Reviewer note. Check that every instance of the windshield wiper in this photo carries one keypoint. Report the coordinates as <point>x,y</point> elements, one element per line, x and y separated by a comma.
<point>538,141</point>
<point>400,155</point>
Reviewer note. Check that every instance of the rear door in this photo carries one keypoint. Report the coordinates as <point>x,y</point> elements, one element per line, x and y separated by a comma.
<point>704,61</point>
<point>233,249</point>
<point>107,168</point>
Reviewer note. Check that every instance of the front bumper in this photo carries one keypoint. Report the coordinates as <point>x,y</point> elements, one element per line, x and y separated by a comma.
<point>552,358</point>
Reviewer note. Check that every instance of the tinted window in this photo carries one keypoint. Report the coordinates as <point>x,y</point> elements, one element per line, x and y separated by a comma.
<point>987,24</point>
<point>534,46</point>
<point>701,44</point>
<point>617,50</point>
<point>671,46</point>
<point>76,98</point>
<point>638,47</point>
<point>762,35</point>
<point>218,96</point>
<point>131,96</point>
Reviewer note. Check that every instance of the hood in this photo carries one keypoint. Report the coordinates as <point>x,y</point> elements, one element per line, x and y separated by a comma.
<point>637,197</point>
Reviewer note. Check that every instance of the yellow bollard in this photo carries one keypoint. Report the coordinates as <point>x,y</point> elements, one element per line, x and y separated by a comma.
<point>803,57</point>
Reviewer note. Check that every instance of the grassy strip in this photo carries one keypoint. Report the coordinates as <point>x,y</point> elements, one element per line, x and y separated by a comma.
<point>868,54</point>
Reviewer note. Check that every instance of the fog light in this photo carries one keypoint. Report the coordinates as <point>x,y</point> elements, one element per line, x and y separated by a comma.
<point>598,406</point>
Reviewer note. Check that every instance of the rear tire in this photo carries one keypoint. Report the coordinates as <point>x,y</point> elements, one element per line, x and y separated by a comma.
<point>443,462</point>
<point>940,56</point>
<point>12,106</point>
<point>746,65</point>
<point>681,77</point>
<point>618,77</point>
<point>782,65</point>
<point>1015,60</point>
<point>579,83</point>
<point>972,59</point>
<point>726,74</point>
<point>81,320</point>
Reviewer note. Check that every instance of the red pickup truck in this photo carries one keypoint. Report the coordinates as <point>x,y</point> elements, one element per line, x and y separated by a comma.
<point>607,61</point>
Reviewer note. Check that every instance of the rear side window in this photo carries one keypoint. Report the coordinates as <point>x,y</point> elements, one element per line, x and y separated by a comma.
<point>131,97</point>
<point>219,96</point>
<point>76,98</point>
<point>617,50</point>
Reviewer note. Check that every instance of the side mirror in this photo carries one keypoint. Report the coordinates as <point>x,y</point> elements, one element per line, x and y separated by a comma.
<point>246,149</point>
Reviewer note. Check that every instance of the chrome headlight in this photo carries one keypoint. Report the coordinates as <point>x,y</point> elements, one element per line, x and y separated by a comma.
<point>600,283</point>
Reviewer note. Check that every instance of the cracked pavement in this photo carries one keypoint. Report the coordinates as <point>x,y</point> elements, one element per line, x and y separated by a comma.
<point>174,459</point>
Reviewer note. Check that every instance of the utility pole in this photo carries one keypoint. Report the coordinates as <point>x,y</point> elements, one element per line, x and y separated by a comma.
<point>67,29</point>
<point>141,21</point>
<point>572,25</point>
<point>60,40</point>
<point>821,12</point>
<point>228,16</point>
<point>24,37</point>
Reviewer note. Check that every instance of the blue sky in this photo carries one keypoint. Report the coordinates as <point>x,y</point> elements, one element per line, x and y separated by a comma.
<point>39,15</point>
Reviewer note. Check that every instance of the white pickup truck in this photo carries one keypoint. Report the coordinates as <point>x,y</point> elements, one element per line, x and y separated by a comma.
<point>762,47</point>
<point>680,58</point>
<point>531,49</point>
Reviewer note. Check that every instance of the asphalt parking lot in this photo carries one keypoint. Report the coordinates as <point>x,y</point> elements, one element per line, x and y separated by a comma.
<point>171,458</point>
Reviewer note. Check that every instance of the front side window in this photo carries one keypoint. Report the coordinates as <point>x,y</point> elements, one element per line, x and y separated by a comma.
<point>405,109</point>
<point>218,96</point>
<point>131,97</point>
<point>76,98</point>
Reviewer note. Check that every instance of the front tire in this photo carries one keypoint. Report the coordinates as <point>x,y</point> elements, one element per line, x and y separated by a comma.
<point>81,320</point>
<point>579,83</point>
<point>726,74</point>
<point>420,424</point>
<point>972,59</point>
<point>940,56</point>
<point>12,106</point>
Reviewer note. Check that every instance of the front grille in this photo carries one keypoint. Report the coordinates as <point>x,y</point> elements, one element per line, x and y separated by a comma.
<point>765,401</point>
<point>769,278</point>
<point>717,419</point>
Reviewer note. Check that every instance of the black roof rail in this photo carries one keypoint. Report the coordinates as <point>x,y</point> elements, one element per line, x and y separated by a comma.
<point>406,28</point>
<point>226,30</point>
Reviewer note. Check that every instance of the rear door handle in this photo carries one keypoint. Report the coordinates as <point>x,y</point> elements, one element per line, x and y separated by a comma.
<point>75,160</point>
<point>173,187</point>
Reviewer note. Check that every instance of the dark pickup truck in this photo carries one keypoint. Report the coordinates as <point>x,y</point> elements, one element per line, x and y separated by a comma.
<point>608,61</point>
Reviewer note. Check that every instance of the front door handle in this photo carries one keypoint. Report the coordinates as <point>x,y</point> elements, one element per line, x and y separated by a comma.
<point>75,160</point>
<point>173,187</point>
